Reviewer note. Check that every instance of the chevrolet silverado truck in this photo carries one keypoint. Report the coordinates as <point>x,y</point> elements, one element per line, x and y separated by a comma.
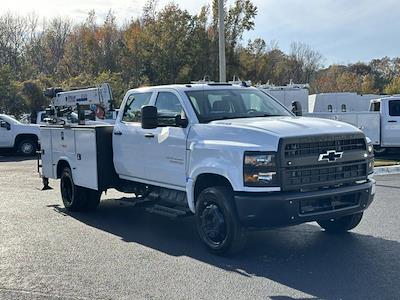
<point>21,138</point>
<point>231,156</point>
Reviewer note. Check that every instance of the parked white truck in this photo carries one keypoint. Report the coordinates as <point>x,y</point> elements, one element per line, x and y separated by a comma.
<point>381,123</point>
<point>21,138</point>
<point>232,156</point>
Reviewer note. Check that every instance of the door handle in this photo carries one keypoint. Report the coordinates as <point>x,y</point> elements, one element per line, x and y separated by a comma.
<point>117,133</point>
<point>149,135</point>
<point>392,121</point>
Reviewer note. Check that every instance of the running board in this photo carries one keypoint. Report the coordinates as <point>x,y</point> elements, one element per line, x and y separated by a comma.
<point>176,212</point>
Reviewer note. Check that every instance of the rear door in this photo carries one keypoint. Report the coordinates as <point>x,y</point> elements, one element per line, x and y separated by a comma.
<point>129,138</point>
<point>391,123</point>
<point>165,151</point>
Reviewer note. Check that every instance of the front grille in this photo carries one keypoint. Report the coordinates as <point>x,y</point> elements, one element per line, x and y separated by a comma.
<point>301,166</point>
<point>305,148</point>
<point>308,176</point>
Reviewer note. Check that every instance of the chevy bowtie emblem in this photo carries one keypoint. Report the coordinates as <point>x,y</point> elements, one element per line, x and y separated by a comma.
<point>330,156</point>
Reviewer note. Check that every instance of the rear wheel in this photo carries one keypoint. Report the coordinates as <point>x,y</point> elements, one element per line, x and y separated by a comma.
<point>76,198</point>
<point>27,147</point>
<point>92,199</point>
<point>217,221</point>
<point>342,224</point>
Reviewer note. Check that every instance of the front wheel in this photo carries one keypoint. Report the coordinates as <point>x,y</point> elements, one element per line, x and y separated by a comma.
<point>217,221</point>
<point>342,224</point>
<point>27,147</point>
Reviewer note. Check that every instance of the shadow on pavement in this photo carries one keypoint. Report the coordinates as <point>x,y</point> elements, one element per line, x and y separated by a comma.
<point>392,154</point>
<point>350,266</point>
<point>11,157</point>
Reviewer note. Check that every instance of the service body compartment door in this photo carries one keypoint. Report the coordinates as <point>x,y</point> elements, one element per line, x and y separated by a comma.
<point>63,140</point>
<point>370,123</point>
<point>47,153</point>
<point>85,172</point>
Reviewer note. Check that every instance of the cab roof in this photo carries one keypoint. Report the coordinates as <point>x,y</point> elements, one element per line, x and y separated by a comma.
<point>192,87</point>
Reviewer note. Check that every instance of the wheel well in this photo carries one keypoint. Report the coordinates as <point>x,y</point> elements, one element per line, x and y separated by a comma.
<point>19,138</point>
<point>204,181</point>
<point>60,167</point>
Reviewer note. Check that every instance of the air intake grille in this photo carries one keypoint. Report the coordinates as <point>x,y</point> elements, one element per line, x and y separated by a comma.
<point>300,177</point>
<point>305,149</point>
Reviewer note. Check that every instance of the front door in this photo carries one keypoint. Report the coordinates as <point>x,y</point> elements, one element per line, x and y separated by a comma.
<point>166,145</point>
<point>129,139</point>
<point>391,124</point>
<point>6,135</point>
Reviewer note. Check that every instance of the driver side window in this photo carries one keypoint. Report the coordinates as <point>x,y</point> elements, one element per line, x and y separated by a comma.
<point>133,106</point>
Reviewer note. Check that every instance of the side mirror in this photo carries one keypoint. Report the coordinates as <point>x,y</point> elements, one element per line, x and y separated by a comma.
<point>297,109</point>
<point>149,117</point>
<point>180,122</point>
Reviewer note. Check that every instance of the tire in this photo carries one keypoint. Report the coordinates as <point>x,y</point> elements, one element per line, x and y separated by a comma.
<point>217,222</point>
<point>73,197</point>
<point>92,199</point>
<point>27,147</point>
<point>342,224</point>
<point>378,151</point>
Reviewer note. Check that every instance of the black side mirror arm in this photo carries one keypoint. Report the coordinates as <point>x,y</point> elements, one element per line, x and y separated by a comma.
<point>181,122</point>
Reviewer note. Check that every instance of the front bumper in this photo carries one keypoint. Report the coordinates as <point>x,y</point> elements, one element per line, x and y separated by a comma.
<point>279,209</point>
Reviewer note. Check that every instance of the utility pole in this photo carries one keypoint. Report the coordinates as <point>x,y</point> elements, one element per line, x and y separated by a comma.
<point>222,60</point>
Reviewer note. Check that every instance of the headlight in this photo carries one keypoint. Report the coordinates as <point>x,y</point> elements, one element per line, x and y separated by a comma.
<point>259,169</point>
<point>370,155</point>
<point>370,149</point>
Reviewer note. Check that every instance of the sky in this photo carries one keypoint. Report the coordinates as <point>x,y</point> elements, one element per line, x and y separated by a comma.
<point>343,31</point>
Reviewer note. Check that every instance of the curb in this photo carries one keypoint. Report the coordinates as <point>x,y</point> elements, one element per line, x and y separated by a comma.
<point>387,170</point>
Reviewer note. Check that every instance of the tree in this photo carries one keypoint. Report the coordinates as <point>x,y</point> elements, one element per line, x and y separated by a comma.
<point>10,101</point>
<point>304,62</point>
<point>33,94</point>
<point>393,87</point>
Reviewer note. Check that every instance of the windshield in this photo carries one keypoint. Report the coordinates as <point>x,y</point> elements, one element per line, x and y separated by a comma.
<point>211,105</point>
<point>9,119</point>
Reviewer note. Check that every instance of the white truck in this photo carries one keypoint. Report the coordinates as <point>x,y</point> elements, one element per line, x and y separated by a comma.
<point>19,137</point>
<point>289,94</point>
<point>381,123</point>
<point>232,156</point>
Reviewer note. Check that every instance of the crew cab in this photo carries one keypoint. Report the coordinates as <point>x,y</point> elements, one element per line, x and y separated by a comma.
<point>19,137</point>
<point>232,156</point>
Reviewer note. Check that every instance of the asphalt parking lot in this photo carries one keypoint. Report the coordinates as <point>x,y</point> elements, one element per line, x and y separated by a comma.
<point>121,252</point>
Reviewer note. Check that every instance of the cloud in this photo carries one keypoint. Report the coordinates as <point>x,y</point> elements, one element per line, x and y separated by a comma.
<point>342,30</point>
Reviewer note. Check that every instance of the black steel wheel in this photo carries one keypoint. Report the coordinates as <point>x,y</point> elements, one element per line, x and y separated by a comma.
<point>217,221</point>
<point>342,224</point>
<point>73,197</point>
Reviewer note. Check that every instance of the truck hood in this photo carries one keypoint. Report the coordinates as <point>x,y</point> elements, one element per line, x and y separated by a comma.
<point>291,126</point>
